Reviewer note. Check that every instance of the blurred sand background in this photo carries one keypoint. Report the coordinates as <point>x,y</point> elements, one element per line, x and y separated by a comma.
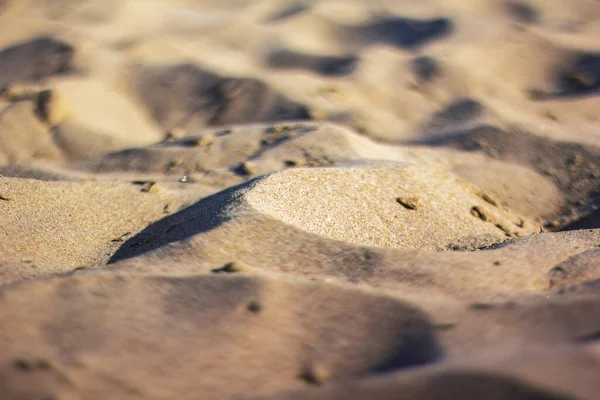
<point>279,199</point>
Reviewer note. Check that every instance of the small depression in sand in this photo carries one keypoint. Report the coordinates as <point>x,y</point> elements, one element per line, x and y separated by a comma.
<point>392,206</point>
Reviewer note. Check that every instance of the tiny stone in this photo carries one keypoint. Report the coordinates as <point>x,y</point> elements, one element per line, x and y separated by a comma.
<point>173,164</point>
<point>254,307</point>
<point>246,168</point>
<point>150,187</point>
<point>554,224</point>
<point>121,238</point>
<point>231,267</point>
<point>575,160</point>
<point>21,364</point>
<point>315,374</point>
<point>175,133</point>
<point>26,364</point>
<point>410,203</point>
<point>476,212</point>
<point>205,140</point>
<point>297,162</point>
<point>488,199</point>
<point>51,108</point>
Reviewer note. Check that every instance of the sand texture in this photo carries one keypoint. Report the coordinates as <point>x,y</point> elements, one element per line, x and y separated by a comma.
<point>299,199</point>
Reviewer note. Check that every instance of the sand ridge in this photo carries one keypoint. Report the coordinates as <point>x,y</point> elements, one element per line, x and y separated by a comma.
<point>380,207</point>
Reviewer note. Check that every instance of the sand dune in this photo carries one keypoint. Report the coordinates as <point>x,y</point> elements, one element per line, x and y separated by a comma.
<point>184,96</point>
<point>298,199</point>
<point>401,207</point>
<point>24,137</point>
<point>35,60</point>
<point>260,307</point>
<point>69,224</point>
<point>573,167</point>
<point>245,151</point>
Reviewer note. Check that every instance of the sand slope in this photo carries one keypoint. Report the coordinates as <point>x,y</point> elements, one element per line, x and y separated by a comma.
<point>300,333</point>
<point>71,224</point>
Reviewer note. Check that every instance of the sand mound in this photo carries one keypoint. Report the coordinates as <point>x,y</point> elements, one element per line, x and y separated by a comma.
<point>578,75</point>
<point>397,31</point>
<point>101,111</point>
<point>34,60</point>
<point>475,382</point>
<point>64,225</point>
<point>389,206</point>
<point>247,151</point>
<point>576,269</point>
<point>573,167</point>
<point>382,207</point>
<point>24,137</point>
<point>517,187</point>
<point>522,265</point>
<point>263,323</point>
<point>326,65</point>
<point>250,327</point>
<point>266,147</point>
<point>186,96</point>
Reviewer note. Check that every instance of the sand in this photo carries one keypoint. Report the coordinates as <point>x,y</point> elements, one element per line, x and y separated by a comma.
<point>297,199</point>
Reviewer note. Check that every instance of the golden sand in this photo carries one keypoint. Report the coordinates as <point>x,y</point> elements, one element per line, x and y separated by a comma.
<point>297,199</point>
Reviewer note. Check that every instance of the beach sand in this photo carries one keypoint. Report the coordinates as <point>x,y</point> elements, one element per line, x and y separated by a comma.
<point>299,199</point>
